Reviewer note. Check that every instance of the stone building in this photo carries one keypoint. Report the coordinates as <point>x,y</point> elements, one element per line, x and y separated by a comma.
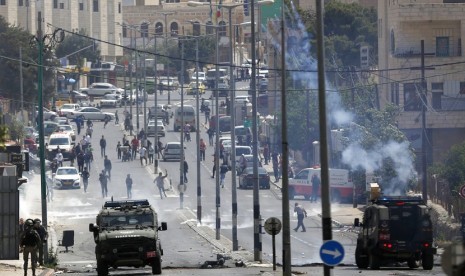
<point>402,25</point>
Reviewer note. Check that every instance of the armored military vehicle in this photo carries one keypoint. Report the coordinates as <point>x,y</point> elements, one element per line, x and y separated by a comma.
<point>395,230</point>
<point>126,234</point>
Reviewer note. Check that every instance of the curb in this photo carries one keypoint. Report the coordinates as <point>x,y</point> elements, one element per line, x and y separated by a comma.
<point>47,272</point>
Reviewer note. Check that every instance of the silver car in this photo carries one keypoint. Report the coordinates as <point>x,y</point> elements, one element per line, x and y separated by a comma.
<point>160,128</point>
<point>172,151</point>
<point>91,113</point>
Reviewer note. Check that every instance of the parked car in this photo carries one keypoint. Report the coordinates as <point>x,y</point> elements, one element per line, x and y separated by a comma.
<point>78,96</point>
<point>100,89</point>
<point>151,128</point>
<point>172,151</point>
<point>245,161</point>
<point>192,88</point>
<point>30,144</point>
<point>110,100</point>
<point>91,113</point>
<point>246,178</point>
<point>47,114</point>
<point>67,177</point>
<point>66,108</point>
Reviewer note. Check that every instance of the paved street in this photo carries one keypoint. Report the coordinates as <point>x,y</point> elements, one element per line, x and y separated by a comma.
<point>187,244</point>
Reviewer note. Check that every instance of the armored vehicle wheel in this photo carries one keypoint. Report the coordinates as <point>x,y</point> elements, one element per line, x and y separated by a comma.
<point>413,263</point>
<point>361,259</point>
<point>102,268</point>
<point>156,266</point>
<point>427,261</point>
<point>374,261</point>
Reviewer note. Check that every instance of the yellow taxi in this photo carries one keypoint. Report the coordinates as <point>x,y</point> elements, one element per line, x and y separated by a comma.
<point>192,88</point>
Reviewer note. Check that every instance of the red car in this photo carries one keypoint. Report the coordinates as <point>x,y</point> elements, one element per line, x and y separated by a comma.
<point>30,144</point>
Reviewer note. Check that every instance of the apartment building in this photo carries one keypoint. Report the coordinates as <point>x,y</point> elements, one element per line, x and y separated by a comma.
<point>440,24</point>
<point>96,17</point>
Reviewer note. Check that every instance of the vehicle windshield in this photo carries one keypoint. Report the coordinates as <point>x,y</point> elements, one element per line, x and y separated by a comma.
<point>119,220</point>
<point>58,141</point>
<point>173,146</point>
<point>240,151</point>
<point>67,171</point>
<point>67,106</point>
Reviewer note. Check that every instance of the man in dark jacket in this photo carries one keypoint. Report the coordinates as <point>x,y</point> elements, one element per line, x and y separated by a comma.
<point>30,241</point>
<point>103,145</point>
<point>43,234</point>
<point>107,166</point>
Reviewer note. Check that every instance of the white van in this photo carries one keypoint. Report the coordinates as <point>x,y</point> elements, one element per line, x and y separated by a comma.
<point>189,117</point>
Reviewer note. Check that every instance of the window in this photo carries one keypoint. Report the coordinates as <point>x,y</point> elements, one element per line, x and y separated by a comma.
<point>125,31</point>
<point>3,2</point>
<point>55,4</point>
<point>437,89</point>
<point>81,6</point>
<point>459,47</point>
<point>462,87</point>
<point>209,28</point>
<point>393,42</point>
<point>222,29</point>
<point>412,100</point>
<point>95,6</point>
<point>62,6</point>
<point>20,3</point>
<point>172,1</point>
<point>395,93</point>
<point>119,7</point>
<point>196,28</point>
<point>442,46</point>
<point>144,30</point>
<point>158,28</point>
<point>174,29</point>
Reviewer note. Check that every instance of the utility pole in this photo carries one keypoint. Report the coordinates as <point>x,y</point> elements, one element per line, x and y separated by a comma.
<point>155,104</point>
<point>130,87</point>
<point>423,125</point>
<point>197,133</point>
<point>181,130</point>
<point>217,141</point>
<point>256,189</point>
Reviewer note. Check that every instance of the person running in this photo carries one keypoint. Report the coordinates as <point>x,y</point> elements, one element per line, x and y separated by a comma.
<point>103,178</point>
<point>106,121</point>
<point>160,181</point>
<point>129,185</point>
<point>301,214</point>
<point>85,178</point>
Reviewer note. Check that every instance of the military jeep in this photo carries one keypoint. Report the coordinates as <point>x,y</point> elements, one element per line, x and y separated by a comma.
<point>395,230</point>
<point>126,234</point>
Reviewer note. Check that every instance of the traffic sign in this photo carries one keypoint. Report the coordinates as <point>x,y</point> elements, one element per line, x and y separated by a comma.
<point>273,226</point>
<point>331,252</point>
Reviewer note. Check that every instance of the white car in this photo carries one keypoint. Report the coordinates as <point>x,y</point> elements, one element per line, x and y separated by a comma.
<point>172,151</point>
<point>66,108</point>
<point>110,100</point>
<point>68,129</point>
<point>91,113</point>
<point>67,177</point>
<point>48,114</point>
<point>160,127</point>
<point>100,89</point>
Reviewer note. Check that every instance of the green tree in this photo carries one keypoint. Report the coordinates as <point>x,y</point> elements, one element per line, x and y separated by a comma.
<point>12,39</point>
<point>452,168</point>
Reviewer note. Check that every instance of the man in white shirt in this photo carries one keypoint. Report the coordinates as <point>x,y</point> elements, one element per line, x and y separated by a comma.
<point>142,152</point>
<point>83,143</point>
<point>59,158</point>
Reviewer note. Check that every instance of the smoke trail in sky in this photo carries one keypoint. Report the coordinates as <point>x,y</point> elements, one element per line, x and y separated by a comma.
<point>302,68</point>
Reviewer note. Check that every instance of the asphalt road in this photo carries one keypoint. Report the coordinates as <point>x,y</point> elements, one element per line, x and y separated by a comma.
<point>184,249</point>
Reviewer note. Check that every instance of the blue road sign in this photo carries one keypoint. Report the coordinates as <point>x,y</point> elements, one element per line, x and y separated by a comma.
<point>331,253</point>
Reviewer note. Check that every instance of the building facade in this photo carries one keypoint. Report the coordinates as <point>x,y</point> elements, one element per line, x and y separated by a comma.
<point>402,26</point>
<point>96,17</point>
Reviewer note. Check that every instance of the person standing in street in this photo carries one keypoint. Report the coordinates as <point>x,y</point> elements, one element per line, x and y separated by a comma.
<point>186,169</point>
<point>103,178</point>
<point>266,153</point>
<point>223,170</point>
<point>274,160</point>
<point>142,155</point>
<point>59,158</point>
<point>160,181</point>
<point>301,214</point>
<point>129,185</point>
<point>107,166</point>
<point>202,149</point>
<point>207,114</point>
<point>118,150</point>
<point>116,117</point>
<point>85,178</point>
<point>30,241</point>
<point>134,147</point>
<point>103,145</point>
<point>43,234</point>
<point>210,133</point>
<point>315,188</point>
<point>151,151</point>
